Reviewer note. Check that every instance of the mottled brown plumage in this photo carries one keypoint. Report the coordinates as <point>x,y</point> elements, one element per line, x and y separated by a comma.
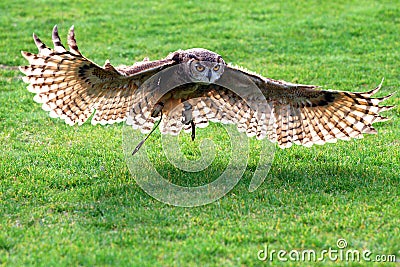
<point>72,87</point>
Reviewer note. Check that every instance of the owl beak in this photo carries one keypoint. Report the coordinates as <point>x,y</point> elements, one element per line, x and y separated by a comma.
<point>209,75</point>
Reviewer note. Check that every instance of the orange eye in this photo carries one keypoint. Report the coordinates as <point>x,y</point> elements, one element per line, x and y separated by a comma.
<point>216,67</point>
<point>199,68</point>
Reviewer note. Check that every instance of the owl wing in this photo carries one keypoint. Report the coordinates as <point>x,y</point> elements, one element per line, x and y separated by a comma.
<point>72,87</point>
<point>292,113</point>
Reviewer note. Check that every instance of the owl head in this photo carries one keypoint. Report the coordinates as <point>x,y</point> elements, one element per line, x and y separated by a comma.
<point>202,65</point>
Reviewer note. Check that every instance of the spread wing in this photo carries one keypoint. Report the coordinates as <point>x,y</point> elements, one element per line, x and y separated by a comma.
<point>292,113</point>
<point>72,87</point>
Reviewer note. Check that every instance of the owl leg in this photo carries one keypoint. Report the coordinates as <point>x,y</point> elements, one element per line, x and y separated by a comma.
<point>187,113</point>
<point>157,109</point>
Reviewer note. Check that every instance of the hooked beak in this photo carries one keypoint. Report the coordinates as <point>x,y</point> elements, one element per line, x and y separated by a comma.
<point>209,75</point>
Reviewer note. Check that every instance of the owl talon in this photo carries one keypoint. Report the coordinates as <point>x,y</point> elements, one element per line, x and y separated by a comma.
<point>157,109</point>
<point>187,113</point>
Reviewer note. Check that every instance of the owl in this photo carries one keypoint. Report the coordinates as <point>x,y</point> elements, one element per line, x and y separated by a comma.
<point>190,88</point>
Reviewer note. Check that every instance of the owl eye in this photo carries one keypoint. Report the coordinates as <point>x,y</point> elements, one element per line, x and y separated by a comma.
<point>200,68</point>
<point>216,67</point>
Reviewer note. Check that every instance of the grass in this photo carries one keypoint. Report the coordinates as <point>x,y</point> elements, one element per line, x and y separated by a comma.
<point>66,194</point>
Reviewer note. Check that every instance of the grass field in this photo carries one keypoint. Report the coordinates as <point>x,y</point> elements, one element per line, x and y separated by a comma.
<point>66,194</point>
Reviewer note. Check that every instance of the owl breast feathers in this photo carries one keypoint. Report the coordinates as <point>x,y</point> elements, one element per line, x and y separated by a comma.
<point>72,87</point>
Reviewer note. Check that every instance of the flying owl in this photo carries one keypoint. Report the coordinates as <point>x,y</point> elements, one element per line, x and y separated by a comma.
<point>72,87</point>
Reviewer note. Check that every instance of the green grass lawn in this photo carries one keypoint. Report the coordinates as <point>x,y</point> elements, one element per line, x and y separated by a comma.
<point>66,194</point>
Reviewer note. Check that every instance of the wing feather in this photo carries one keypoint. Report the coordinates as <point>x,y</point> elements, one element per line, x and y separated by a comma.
<point>306,115</point>
<point>72,87</point>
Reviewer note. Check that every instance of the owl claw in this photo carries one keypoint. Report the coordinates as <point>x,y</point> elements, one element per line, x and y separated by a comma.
<point>187,113</point>
<point>157,109</point>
